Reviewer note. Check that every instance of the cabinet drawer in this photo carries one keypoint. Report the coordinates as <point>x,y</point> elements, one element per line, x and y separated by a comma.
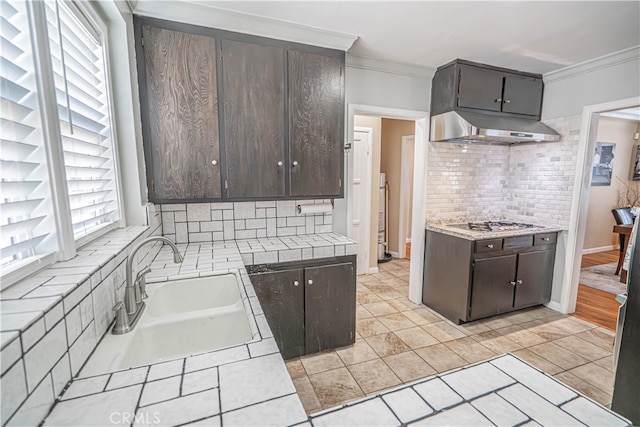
<point>518,241</point>
<point>488,245</point>
<point>544,239</point>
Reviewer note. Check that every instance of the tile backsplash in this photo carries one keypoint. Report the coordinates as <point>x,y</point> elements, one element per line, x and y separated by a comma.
<point>466,180</point>
<point>210,222</point>
<point>527,182</point>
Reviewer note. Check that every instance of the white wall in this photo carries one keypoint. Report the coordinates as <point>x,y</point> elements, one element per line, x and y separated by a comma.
<point>386,89</point>
<point>610,78</point>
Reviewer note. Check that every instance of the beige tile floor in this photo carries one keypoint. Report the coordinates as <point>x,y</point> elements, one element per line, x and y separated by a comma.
<point>398,341</point>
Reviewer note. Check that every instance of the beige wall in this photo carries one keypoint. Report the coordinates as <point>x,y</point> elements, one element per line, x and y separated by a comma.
<point>604,198</point>
<point>376,124</point>
<point>390,163</point>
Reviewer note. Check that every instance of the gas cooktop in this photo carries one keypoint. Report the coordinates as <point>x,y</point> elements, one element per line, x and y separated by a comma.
<point>493,226</point>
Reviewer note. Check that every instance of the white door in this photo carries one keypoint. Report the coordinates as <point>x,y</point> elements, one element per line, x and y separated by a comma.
<point>361,195</point>
<point>406,194</point>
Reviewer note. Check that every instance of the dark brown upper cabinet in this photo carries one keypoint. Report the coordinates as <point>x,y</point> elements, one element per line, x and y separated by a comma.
<point>182,140</point>
<point>253,82</point>
<point>467,85</point>
<point>316,112</point>
<point>280,106</point>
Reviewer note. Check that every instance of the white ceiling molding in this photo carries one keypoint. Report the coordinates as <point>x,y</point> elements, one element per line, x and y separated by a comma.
<point>199,13</point>
<point>626,114</point>
<point>615,58</point>
<point>356,61</point>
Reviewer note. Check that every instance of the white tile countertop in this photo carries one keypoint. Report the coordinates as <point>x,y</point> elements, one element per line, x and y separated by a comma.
<point>246,384</point>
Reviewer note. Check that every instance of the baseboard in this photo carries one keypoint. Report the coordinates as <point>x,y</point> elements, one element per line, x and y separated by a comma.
<point>373,270</point>
<point>554,306</point>
<point>408,239</point>
<point>600,249</point>
<point>394,254</point>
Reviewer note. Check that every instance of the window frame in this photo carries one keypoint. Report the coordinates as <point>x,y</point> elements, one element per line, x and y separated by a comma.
<point>67,246</point>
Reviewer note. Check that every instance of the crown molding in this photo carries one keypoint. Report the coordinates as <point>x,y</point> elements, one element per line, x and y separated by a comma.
<point>199,13</point>
<point>609,60</point>
<point>393,67</point>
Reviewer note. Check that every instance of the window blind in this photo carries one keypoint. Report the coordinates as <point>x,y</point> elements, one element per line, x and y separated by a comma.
<point>81,92</point>
<point>24,192</point>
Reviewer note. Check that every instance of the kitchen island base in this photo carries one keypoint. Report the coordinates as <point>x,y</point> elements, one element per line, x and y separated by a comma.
<point>468,279</point>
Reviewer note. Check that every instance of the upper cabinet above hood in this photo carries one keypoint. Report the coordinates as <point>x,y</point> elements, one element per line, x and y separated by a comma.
<point>478,103</point>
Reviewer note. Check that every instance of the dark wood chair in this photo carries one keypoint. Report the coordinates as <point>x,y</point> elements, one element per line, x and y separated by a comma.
<point>623,216</point>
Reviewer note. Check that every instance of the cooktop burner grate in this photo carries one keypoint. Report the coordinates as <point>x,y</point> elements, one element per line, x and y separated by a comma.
<point>498,226</point>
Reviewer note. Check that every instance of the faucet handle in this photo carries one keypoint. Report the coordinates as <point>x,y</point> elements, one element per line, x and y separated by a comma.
<point>122,319</point>
<point>142,282</point>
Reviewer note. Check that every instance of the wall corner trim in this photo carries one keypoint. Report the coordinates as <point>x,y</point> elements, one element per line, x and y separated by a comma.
<point>392,67</point>
<point>609,60</point>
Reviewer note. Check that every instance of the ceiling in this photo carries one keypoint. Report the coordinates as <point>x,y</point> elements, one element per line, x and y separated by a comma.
<point>536,36</point>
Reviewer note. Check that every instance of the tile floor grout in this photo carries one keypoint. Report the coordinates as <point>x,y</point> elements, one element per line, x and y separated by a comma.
<point>332,378</point>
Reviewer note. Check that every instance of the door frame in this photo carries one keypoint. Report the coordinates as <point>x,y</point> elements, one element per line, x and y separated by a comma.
<point>404,195</point>
<point>580,200</point>
<point>418,222</point>
<point>365,222</point>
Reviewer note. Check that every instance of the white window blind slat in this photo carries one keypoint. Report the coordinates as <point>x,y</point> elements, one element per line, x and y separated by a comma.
<point>80,78</point>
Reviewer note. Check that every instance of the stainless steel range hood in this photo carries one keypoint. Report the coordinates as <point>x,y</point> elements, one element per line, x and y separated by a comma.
<point>469,127</point>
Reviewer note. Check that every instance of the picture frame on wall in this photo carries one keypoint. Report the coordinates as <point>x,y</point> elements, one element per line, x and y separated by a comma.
<point>635,169</point>
<point>603,163</point>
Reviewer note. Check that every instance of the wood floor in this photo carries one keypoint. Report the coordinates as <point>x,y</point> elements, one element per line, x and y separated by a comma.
<point>594,305</point>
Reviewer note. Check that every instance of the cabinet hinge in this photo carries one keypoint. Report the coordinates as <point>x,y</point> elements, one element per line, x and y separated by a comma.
<point>220,54</point>
<point>226,185</point>
<point>142,41</point>
<point>153,185</point>
<point>340,183</point>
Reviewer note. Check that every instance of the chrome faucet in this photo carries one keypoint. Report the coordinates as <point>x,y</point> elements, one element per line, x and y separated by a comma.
<point>129,311</point>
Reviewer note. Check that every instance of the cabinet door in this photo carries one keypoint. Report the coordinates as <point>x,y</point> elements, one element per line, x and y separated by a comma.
<point>253,86</point>
<point>283,304</point>
<point>535,270</point>
<point>330,306</point>
<point>182,131</point>
<point>491,290</point>
<point>480,88</point>
<point>522,95</point>
<point>316,122</point>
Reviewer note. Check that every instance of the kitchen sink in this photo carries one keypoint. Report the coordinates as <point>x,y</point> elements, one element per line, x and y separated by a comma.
<point>182,318</point>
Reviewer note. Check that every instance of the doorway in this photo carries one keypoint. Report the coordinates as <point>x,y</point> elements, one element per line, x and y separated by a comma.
<point>580,202</point>
<point>420,132</point>
<point>612,186</point>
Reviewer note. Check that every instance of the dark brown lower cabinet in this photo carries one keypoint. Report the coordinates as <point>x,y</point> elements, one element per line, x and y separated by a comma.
<point>491,290</point>
<point>467,279</point>
<point>282,298</point>
<point>535,274</point>
<point>310,306</point>
<point>505,283</point>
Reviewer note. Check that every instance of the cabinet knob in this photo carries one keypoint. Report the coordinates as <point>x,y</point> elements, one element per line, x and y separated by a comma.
<point>507,101</point>
<point>497,100</point>
<point>296,283</point>
<point>295,163</point>
<point>214,162</point>
<point>546,239</point>
<point>519,282</point>
<point>310,282</point>
<point>490,246</point>
<point>280,164</point>
<point>513,283</point>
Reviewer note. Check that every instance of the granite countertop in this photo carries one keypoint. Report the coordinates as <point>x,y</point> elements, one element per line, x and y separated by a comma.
<point>481,235</point>
<point>246,384</point>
